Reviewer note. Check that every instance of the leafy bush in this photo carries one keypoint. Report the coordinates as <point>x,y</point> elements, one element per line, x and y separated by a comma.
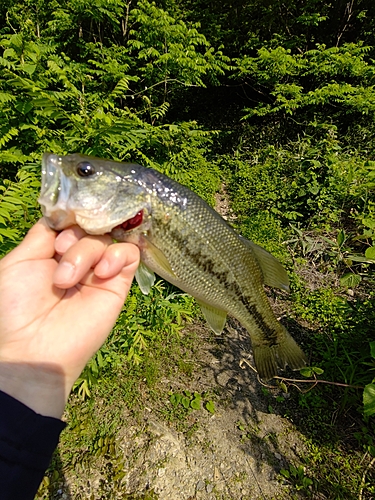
<point>143,318</point>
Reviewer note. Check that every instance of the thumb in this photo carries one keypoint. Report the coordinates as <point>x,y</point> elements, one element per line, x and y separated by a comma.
<point>37,244</point>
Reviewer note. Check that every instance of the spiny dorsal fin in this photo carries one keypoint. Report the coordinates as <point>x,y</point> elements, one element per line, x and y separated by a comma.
<point>274,274</point>
<point>216,318</point>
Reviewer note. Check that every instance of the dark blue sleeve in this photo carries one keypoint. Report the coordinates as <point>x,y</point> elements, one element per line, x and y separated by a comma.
<point>27,442</point>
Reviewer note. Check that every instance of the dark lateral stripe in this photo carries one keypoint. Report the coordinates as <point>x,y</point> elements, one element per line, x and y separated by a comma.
<point>204,263</point>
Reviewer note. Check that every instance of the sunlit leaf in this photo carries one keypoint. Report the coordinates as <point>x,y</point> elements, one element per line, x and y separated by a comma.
<point>306,372</point>
<point>350,280</point>
<point>369,400</point>
<point>210,406</point>
<point>370,253</point>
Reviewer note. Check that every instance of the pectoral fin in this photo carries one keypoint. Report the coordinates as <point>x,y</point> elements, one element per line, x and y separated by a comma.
<point>145,278</point>
<point>273,272</point>
<point>216,318</point>
<point>154,258</point>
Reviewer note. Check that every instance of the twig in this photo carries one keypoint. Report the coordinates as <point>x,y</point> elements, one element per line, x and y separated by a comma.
<point>364,478</point>
<point>294,381</point>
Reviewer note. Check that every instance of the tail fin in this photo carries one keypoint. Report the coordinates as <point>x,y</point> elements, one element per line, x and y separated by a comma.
<point>268,358</point>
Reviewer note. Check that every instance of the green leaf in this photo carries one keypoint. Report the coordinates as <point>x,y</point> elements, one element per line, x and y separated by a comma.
<point>24,107</point>
<point>185,402</point>
<point>306,372</point>
<point>210,406</point>
<point>29,68</point>
<point>318,370</point>
<point>9,233</point>
<point>369,223</point>
<point>314,189</point>
<point>240,425</point>
<point>285,473</point>
<point>350,280</point>
<point>358,258</point>
<point>196,403</point>
<point>370,253</point>
<point>369,400</point>
<point>175,399</point>
<point>340,238</point>
<point>372,349</point>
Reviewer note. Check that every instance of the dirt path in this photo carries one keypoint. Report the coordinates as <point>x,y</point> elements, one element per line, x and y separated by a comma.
<point>236,453</point>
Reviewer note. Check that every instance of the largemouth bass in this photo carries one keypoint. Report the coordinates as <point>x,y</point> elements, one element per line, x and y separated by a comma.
<point>180,238</point>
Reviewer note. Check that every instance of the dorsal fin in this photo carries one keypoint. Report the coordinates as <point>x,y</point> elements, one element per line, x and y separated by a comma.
<point>274,274</point>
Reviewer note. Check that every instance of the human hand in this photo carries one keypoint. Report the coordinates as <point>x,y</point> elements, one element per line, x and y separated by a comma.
<point>60,295</point>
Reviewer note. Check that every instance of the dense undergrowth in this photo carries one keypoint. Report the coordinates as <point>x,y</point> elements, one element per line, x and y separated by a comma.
<point>275,103</point>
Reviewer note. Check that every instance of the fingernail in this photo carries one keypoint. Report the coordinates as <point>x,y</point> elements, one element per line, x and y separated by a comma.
<point>64,273</point>
<point>64,241</point>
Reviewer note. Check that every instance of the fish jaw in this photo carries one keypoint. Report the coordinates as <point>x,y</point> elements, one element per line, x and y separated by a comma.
<point>67,199</point>
<point>55,193</point>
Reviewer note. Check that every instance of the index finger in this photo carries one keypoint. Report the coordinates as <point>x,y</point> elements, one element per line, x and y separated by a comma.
<point>79,259</point>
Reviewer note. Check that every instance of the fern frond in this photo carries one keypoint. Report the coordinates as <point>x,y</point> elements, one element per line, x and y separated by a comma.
<point>6,97</point>
<point>12,132</point>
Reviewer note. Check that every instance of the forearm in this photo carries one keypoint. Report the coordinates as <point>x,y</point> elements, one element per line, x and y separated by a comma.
<point>40,387</point>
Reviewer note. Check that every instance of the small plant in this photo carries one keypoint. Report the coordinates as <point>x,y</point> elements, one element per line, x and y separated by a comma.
<point>297,477</point>
<point>143,319</point>
<point>191,401</point>
<point>369,390</point>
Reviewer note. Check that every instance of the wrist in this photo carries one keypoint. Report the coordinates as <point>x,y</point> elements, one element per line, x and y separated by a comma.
<point>41,387</point>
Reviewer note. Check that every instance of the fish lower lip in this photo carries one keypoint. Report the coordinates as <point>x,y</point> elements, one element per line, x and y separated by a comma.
<point>131,223</point>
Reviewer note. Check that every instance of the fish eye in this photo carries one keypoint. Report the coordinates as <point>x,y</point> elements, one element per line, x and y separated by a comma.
<point>85,169</point>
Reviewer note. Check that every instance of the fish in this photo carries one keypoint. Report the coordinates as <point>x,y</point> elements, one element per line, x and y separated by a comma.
<point>181,239</point>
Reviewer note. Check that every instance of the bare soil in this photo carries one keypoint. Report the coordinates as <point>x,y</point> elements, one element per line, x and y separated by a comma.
<point>235,453</point>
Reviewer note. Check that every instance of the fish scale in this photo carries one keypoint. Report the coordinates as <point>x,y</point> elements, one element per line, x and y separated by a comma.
<point>181,239</point>
<point>224,269</point>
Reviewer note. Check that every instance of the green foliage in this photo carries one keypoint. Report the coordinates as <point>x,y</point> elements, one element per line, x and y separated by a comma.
<point>311,179</point>
<point>320,77</point>
<point>168,50</point>
<point>191,401</point>
<point>369,391</point>
<point>143,319</point>
<point>56,100</point>
<point>297,476</point>
<point>19,209</point>
<point>311,371</point>
<point>187,400</point>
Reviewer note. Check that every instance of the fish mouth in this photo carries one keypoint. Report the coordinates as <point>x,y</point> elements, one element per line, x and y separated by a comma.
<point>131,223</point>
<point>120,232</point>
<point>55,193</point>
